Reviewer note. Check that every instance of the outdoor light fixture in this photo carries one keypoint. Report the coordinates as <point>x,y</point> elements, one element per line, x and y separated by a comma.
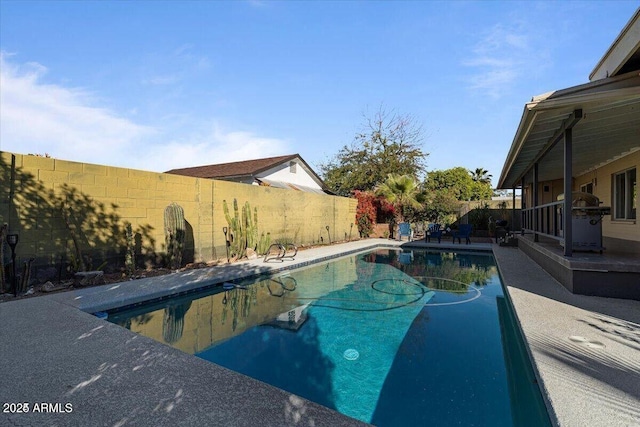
<point>12,241</point>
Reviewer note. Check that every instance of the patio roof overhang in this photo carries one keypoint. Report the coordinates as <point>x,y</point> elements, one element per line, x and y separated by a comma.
<point>604,115</point>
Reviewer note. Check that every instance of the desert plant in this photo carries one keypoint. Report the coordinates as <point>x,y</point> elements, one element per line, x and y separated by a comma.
<point>25,278</point>
<point>251,225</point>
<point>237,232</point>
<point>243,229</point>
<point>264,243</point>
<point>174,227</point>
<point>77,261</point>
<point>130,255</point>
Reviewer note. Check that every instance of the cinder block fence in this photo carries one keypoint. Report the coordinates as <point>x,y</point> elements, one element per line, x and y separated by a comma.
<point>56,205</point>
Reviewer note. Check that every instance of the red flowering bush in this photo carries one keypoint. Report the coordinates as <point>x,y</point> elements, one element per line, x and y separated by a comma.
<point>366,212</point>
<point>385,211</point>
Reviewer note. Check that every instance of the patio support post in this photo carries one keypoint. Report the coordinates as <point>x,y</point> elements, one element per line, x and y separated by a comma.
<point>536,213</point>
<point>523,206</point>
<point>513,209</point>
<point>566,210</point>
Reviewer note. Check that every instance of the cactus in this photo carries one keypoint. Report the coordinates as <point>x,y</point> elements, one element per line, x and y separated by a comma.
<point>130,255</point>
<point>236,233</point>
<point>174,227</point>
<point>243,230</point>
<point>77,258</point>
<point>26,276</point>
<point>264,243</point>
<point>252,226</point>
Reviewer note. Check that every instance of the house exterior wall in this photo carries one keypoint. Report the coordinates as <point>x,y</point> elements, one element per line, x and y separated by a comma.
<point>555,188</point>
<point>283,173</point>
<point>102,199</point>
<point>618,235</point>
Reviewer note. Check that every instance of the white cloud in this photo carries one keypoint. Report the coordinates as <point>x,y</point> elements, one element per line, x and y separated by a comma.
<point>38,118</point>
<point>215,146</point>
<point>502,56</point>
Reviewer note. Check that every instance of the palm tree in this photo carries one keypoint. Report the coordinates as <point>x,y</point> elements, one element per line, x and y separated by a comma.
<point>481,175</point>
<point>400,191</point>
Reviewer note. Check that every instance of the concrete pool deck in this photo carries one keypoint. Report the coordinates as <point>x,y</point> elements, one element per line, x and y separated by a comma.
<point>586,352</point>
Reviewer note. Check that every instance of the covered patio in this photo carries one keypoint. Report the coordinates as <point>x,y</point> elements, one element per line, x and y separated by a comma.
<point>584,141</point>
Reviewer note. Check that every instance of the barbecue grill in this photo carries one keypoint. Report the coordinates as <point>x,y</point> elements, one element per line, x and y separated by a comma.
<point>586,221</point>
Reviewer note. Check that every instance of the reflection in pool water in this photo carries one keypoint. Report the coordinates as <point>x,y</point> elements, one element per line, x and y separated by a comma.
<point>387,337</point>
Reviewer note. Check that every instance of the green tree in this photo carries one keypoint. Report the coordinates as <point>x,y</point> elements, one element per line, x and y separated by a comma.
<point>440,207</point>
<point>481,175</point>
<point>402,191</point>
<point>388,144</point>
<point>459,183</point>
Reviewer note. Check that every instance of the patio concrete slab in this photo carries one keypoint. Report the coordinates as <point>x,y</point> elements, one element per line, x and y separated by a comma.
<point>586,349</point>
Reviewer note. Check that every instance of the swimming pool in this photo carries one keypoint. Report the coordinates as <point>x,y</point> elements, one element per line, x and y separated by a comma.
<point>388,337</point>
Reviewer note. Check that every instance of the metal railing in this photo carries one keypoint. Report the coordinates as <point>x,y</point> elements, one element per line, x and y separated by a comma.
<point>284,251</point>
<point>545,220</point>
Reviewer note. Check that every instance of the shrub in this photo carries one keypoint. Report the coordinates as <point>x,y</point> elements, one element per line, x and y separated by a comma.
<point>365,212</point>
<point>479,217</point>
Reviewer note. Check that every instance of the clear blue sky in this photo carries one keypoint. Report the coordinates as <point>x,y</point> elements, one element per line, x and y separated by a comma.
<point>161,85</point>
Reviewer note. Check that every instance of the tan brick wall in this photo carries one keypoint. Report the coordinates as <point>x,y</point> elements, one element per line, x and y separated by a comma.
<point>102,199</point>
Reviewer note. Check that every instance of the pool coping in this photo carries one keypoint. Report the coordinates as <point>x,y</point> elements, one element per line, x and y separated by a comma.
<point>61,354</point>
<point>125,294</point>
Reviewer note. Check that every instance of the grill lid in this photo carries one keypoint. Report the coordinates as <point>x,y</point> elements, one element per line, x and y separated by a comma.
<point>580,199</point>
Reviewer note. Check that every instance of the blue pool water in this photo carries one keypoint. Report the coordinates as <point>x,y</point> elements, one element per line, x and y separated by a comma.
<point>388,337</point>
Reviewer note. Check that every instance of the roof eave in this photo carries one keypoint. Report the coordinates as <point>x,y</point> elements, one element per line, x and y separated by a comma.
<point>617,42</point>
<point>560,99</point>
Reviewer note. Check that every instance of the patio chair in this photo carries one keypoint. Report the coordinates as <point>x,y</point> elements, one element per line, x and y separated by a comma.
<point>464,231</point>
<point>419,231</point>
<point>404,229</point>
<point>405,258</point>
<point>434,231</point>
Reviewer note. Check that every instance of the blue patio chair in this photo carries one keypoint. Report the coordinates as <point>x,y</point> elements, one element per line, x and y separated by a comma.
<point>464,231</point>
<point>405,258</point>
<point>404,229</point>
<point>434,231</point>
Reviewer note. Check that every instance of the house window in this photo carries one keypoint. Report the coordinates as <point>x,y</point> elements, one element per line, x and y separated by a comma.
<point>587,188</point>
<point>625,194</point>
<point>292,167</point>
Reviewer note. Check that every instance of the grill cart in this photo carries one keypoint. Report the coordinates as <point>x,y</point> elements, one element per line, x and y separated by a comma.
<point>586,221</point>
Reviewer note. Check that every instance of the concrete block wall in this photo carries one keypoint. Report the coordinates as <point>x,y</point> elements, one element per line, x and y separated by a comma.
<point>102,199</point>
